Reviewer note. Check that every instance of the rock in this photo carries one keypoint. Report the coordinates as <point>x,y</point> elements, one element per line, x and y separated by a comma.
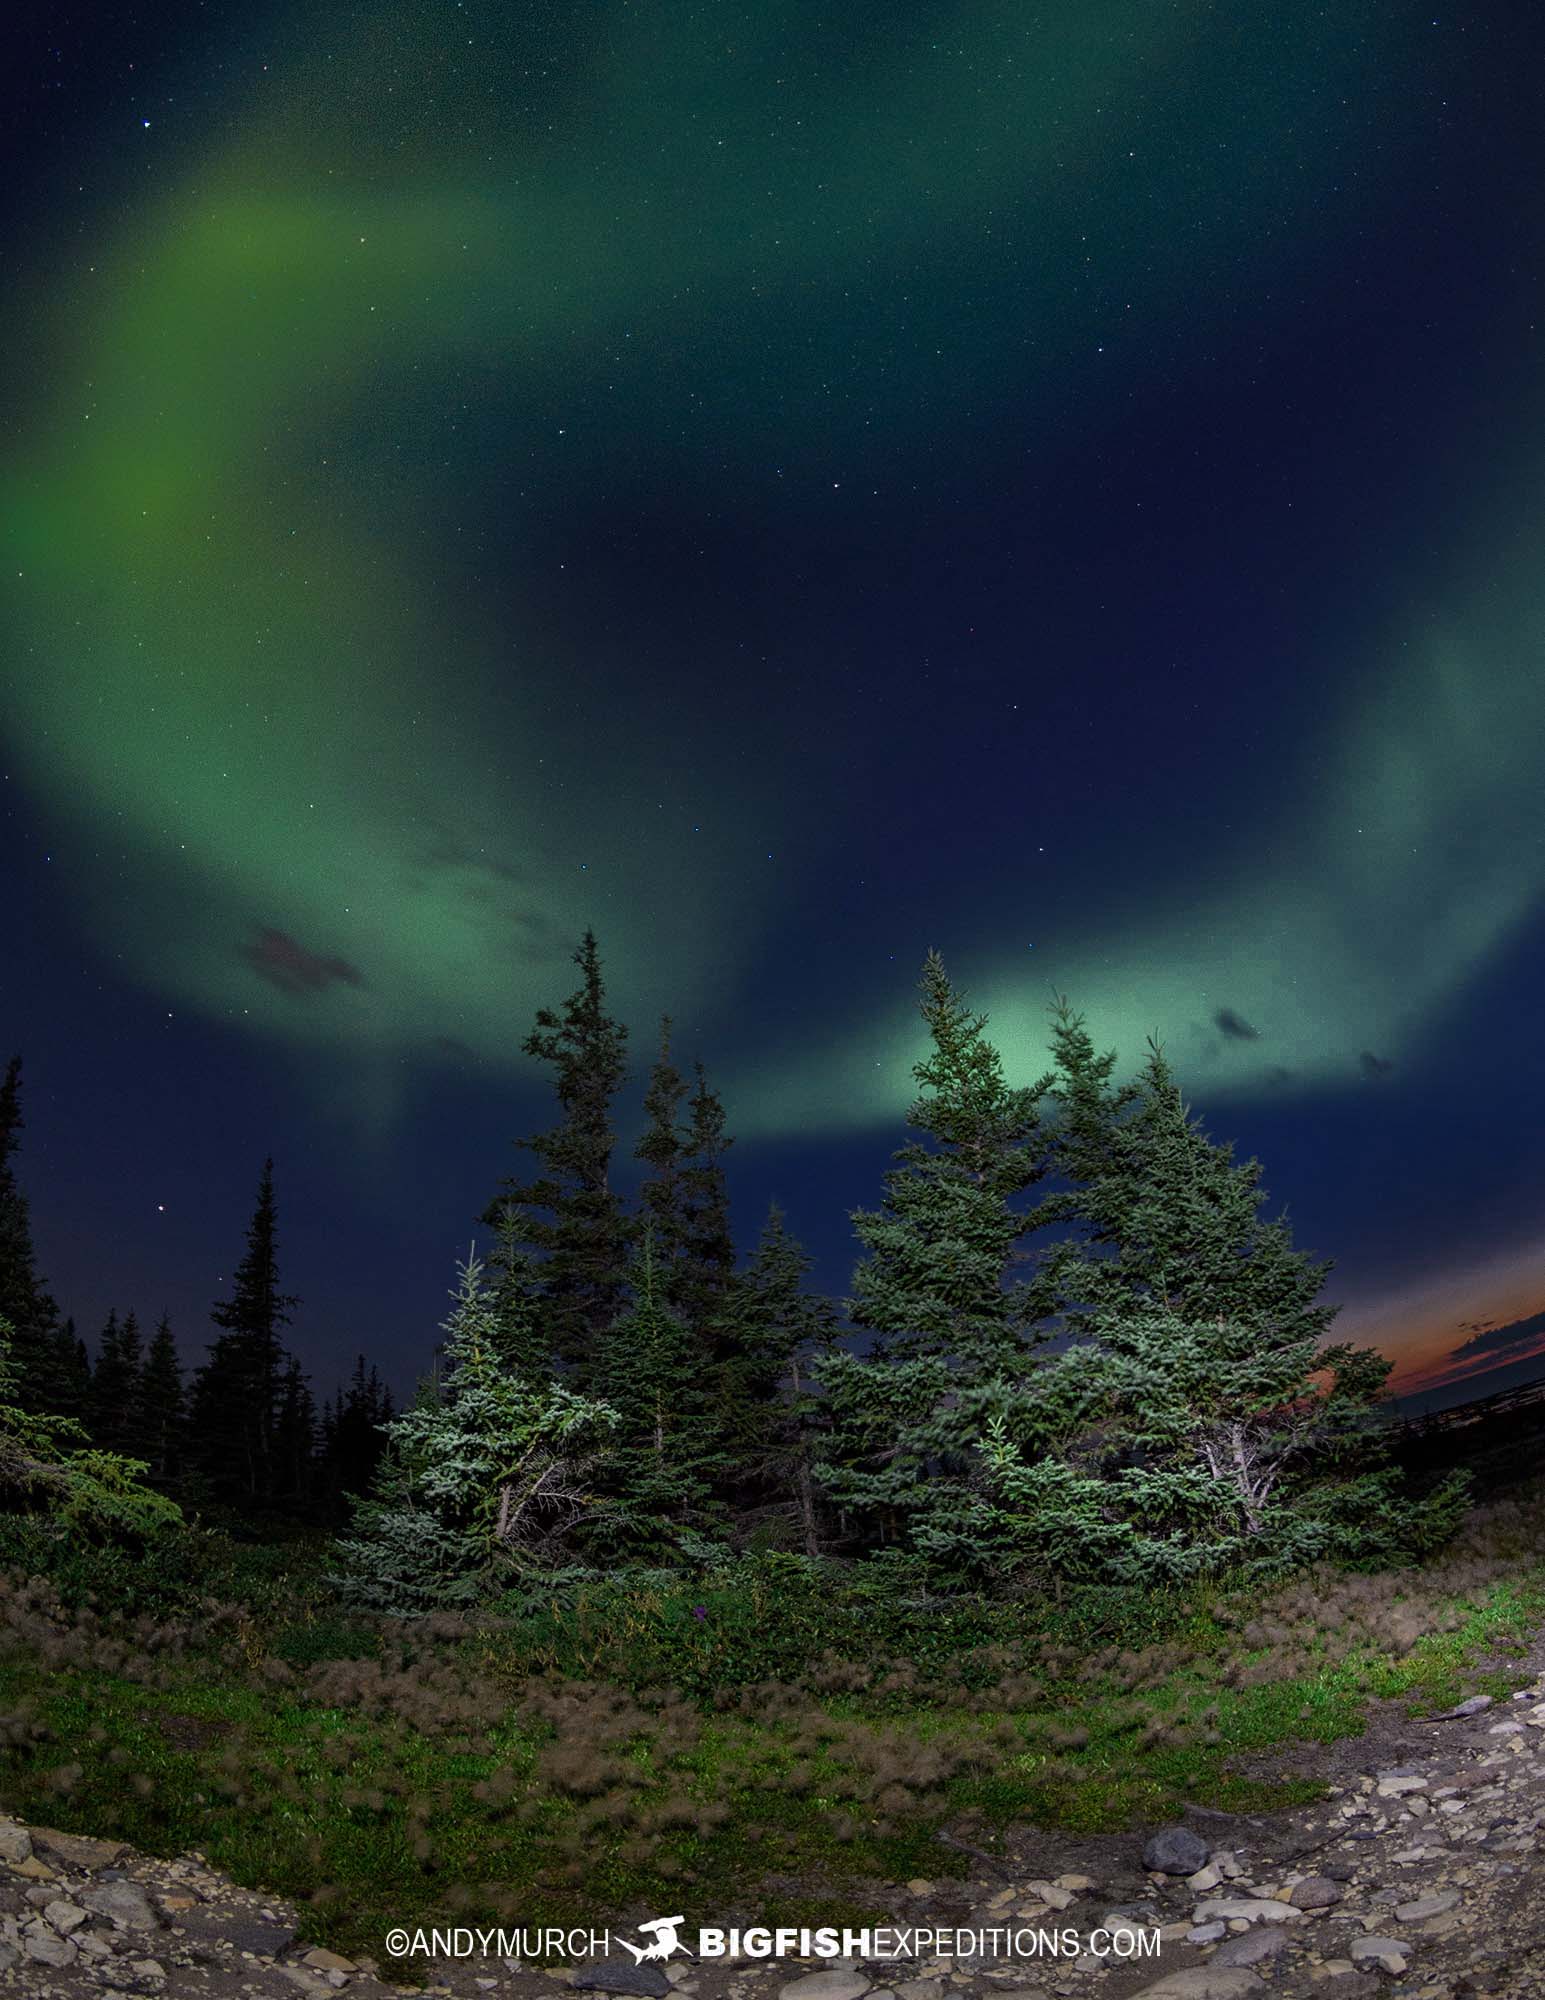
<point>15,1842</point>
<point>1396,1784</point>
<point>1175,1850</point>
<point>1249,1909</point>
<point>1079,1884</point>
<point>1050,1893</point>
<point>65,1917</point>
<point>322,1960</point>
<point>9,1956</point>
<point>1206,1933</point>
<point>1388,1954</point>
<point>1204,1982</point>
<point>832,1985</point>
<point>1427,1906</point>
<point>1475,1704</point>
<point>124,1902</point>
<point>920,1886</point>
<point>620,1975</point>
<point>921,1989</point>
<point>148,1971</point>
<point>48,1949</point>
<point>1315,1892</point>
<point>35,1868</point>
<point>241,1932</point>
<point>1253,1947</point>
<point>78,1850</point>
<point>1204,1879</point>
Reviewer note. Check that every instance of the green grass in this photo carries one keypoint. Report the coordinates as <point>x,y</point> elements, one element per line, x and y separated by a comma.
<point>369,1820</point>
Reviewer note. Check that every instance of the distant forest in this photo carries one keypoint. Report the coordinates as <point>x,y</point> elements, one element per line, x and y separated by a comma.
<point>1074,1347</point>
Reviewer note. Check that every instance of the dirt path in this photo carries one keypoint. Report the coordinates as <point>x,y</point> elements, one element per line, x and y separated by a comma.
<point>1420,1877</point>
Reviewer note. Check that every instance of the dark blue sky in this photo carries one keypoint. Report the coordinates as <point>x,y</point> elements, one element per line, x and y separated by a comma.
<point>788,494</point>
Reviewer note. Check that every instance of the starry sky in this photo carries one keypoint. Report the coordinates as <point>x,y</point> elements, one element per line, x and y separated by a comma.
<point>789,487</point>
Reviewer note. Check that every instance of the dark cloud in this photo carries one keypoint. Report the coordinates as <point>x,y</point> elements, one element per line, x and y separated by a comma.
<point>1374,1066</point>
<point>284,963</point>
<point>1502,1339</point>
<point>1235,1026</point>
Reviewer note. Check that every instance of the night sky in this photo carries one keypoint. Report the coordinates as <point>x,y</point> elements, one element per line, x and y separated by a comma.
<point>788,487</point>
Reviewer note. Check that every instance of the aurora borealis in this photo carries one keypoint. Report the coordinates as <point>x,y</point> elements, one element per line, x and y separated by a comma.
<point>788,490</point>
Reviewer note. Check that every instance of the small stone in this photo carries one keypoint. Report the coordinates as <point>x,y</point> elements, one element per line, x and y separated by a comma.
<point>149,1970</point>
<point>15,1842</point>
<point>177,1904</point>
<point>620,1975</point>
<point>1204,1879</point>
<point>1175,1850</point>
<point>923,1989</point>
<point>78,1850</point>
<point>323,1960</point>
<point>1204,1982</point>
<point>1256,1947</point>
<point>1315,1892</point>
<point>1396,1784</point>
<point>48,1949</point>
<point>1206,1933</point>
<point>124,1902</point>
<point>1388,1954</point>
<point>920,1886</point>
<point>832,1985</point>
<point>1051,1893</point>
<point>65,1917</point>
<point>35,1869</point>
<point>1246,1909</point>
<point>1079,1884</point>
<point>1427,1906</point>
<point>1475,1704</point>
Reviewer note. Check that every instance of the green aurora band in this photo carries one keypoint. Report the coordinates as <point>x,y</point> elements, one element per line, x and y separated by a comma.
<point>271,411</point>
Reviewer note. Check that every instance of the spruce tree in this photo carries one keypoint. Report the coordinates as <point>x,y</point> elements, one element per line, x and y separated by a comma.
<point>774,1332</point>
<point>953,1328</point>
<point>116,1398</point>
<point>295,1441</point>
<point>163,1406</point>
<point>664,1454</point>
<point>663,1149</point>
<point>569,1212</point>
<point>483,1479</point>
<point>708,1244</point>
<point>1198,1419</point>
<point>43,1374</point>
<point>237,1392</point>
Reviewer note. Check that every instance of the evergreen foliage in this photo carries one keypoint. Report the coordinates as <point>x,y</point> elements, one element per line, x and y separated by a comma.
<point>45,1376</point>
<point>484,1476</point>
<point>665,1453</point>
<point>163,1403</point>
<point>569,1212</point>
<point>49,1463</point>
<point>951,1323</point>
<point>115,1400</point>
<point>237,1393</point>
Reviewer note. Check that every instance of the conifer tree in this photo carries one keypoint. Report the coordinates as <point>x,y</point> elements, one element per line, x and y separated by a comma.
<point>295,1440</point>
<point>663,1149</point>
<point>116,1386</point>
<point>708,1244</point>
<point>43,1376</point>
<point>237,1392</point>
<point>163,1406</point>
<point>774,1332</point>
<point>664,1454</point>
<point>521,1337</point>
<point>569,1212</point>
<point>1198,1418</point>
<point>483,1479</point>
<point>953,1329</point>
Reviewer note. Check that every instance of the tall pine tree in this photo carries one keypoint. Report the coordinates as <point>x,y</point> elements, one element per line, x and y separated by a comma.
<point>569,1211</point>
<point>115,1404</point>
<point>44,1376</point>
<point>163,1423</point>
<point>236,1396</point>
<point>952,1327</point>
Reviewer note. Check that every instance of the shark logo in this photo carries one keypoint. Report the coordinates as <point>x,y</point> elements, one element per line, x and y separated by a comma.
<point>665,1939</point>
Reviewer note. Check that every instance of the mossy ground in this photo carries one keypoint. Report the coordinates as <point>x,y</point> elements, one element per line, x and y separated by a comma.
<point>378,1774</point>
